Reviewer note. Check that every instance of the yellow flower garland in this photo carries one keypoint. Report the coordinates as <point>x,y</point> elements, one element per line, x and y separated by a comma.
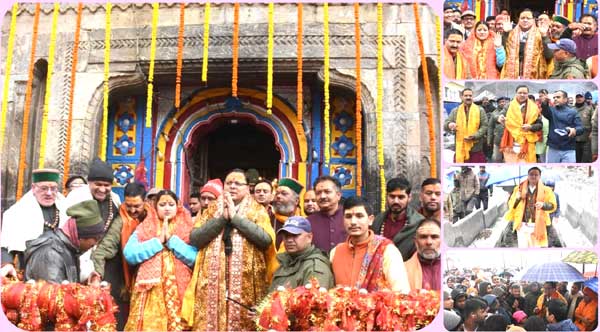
<point>205,44</point>
<point>151,69</point>
<point>326,82</point>
<point>358,116</point>
<point>9,58</point>
<point>299,80</point>
<point>51,51</point>
<point>379,108</point>
<point>271,32</point>
<point>104,136</point>
<point>428,97</point>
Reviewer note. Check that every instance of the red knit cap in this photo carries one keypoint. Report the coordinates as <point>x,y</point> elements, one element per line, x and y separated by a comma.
<point>214,186</point>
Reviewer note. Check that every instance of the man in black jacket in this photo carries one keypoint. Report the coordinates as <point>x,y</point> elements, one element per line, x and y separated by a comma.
<point>54,256</point>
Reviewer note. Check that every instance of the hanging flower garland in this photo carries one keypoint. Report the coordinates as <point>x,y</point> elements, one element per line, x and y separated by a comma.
<point>205,45</point>
<point>235,42</point>
<point>299,82</point>
<point>9,58</point>
<point>326,81</point>
<point>104,136</point>
<point>358,116</point>
<point>151,69</point>
<point>270,61</point>
<point>51,51</point>
<point>180,36</point>
<point>27,107</point>
<point>75,56</point>
<point>379,110</point>
<point>428,96</point>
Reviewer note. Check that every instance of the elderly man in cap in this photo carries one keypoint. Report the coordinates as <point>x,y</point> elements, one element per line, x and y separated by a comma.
<point>37,211</point>
<point>566,64</point>
<point>209,193</point>
<point>53,256</point>
<point>558,28</point>
<point>301,260</point>
<point>285,203</point>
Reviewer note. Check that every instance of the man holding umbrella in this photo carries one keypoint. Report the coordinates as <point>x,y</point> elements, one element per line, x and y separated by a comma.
<point>586,314</point>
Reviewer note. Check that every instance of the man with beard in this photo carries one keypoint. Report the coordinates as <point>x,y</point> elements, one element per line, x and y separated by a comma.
<point>424,267</point>
<point>586,314</point>
<point>236,260</point>
<point>285,204</point>
<point>474,313</point>
<point>583,148</point>
<point>328,224</point>
<point>526,47</point>
<point>310,202</point>
<point>399,221</point>
<point>558,28</point>
<point>430,198</point>
<point>36,212</point>
<point>455,65</point>
<point>495,129</point>
<point>469,123</point>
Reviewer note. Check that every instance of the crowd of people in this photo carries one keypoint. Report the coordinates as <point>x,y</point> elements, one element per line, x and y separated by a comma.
<point>483,300</point>
<point>538,46</point>
<point>555,127</point>
<point>207,268</point>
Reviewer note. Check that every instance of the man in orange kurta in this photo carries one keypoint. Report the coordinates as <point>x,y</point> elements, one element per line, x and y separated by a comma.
<point>586,314</point>
<point>424,267</point>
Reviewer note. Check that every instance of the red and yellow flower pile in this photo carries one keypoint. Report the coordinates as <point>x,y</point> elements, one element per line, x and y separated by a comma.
<point>310,308</point>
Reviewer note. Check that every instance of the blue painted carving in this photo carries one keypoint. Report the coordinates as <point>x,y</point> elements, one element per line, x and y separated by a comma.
<point>343,122</point>
<point>125,145</point>
<point>343,146</point>
<point>343,174</point>
<point>125,122</point>
<point>233,103</point>
<point>123,174</point>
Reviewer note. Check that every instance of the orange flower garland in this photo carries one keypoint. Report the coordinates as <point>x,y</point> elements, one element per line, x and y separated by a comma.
<point>27,108</point>
<point>9,58</point>
<point>358,116</point>
<point>235,42</point>
<point>104,130</point>
<point>299,41</point>
<point>428,97</point>
<point>379,109</point>
<point>150,93</point>
<point>67,163</point>
<point>180,36</point>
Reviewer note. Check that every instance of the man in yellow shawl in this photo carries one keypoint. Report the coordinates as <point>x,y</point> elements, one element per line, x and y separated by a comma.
<point>522,128</point>
<point>235,262</point>
<point>527,53</point>
<point>469,123</point>
<point>529,209</point>
<point>455,64</point>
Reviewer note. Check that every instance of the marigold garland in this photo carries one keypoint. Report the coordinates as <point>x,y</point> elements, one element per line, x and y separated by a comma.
<point>379,109</point>
<point>151,69</point>
<point>27,107</point>
<point>205,43</point>
<point>51,51</point>
<point>270,61</point>
<point>75,56</point>
<point>235,51</point>
<point>104,136</point>
<point>326,81</point>
<point>428,96</point>
<point>299,92</point>
<point>180,36</point>
<point>358,116</point>
<point>9,58</point>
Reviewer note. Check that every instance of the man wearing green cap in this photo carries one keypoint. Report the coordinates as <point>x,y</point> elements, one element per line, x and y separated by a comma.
<point>285,203</point>
<point>54,256</point>
<point>37,211</point>
<point>558,28</point>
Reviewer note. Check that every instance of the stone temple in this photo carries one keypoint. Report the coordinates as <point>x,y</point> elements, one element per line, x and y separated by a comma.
<point>212,132</point>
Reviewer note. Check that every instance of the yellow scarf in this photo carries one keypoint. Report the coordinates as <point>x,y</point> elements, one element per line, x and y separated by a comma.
<point>514,133</point>
<point>453,70</point>
<point>542,219</point>
<point>465,128</point>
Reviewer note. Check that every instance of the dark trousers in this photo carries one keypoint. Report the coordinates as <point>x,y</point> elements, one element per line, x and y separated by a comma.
<point>482,198</point>
<point>583,152</point>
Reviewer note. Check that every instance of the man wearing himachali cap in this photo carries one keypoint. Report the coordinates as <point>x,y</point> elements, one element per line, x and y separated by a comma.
<point>301,260</point>
<point>37,211</point>
<point>285,203</point>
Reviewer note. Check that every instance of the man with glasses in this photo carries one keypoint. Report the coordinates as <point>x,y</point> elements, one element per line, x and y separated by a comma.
<point>235,262</point>
<point>526,47</point>
<point>36,212</point>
